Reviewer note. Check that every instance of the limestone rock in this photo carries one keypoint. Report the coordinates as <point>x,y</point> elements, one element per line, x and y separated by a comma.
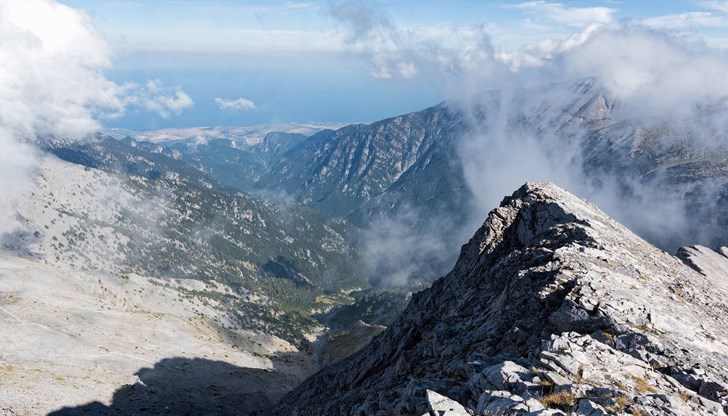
<point>442,406</point>
<point>589,408</point>
<point>508,376</point>
<point>500,403</point>
<point>712,264</point>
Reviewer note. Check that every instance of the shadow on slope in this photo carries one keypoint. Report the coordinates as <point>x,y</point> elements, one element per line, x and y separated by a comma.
<point>193,386</point>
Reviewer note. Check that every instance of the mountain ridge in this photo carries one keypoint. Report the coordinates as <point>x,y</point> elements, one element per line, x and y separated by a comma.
<point>550,296</point>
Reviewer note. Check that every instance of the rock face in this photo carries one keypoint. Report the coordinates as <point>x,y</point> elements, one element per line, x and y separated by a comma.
<point>552,307</point>
<point>712,264</point>
<point>338,171</point>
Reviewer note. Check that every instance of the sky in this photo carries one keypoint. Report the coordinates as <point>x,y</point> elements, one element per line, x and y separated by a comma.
<point>227,62</point>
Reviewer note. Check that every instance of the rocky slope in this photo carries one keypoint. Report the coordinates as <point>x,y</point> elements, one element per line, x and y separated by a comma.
<point>283,262</point>
<point>338,171</point>
<point>552,307</point>
<point>713,264</point>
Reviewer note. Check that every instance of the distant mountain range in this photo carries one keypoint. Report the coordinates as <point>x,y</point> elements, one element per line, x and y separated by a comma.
<point>414,168</point>
<point>407,178</point>
<point>242,136</point>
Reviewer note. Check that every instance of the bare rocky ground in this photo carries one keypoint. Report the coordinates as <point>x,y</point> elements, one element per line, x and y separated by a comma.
<point>552,308</point>
<point>712,264</point>
<point>131,344</point>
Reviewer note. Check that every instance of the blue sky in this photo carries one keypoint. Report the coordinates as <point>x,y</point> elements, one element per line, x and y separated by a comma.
<point>333,61</point>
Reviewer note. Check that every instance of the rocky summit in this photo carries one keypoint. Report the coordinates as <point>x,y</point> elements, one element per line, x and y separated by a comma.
<point>552,308</point>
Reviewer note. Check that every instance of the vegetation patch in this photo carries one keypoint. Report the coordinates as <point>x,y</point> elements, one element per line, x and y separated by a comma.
<point>561,400</point>
<point>641,386</point>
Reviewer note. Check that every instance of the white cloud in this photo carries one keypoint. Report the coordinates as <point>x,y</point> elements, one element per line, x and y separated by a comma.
<point>361,19</point>
<point>685,20</point>
<point>392,65</point>
<point>537,54</point>
<point>157,98</point>
<point>52,79</point>
<point>568,16</point>
<point>651,70</point>
<point>238,104</point>
<point>407,69</point>
<point>721,6</point>
<point>668,85</point>
<point>17,161</point>
<point>403,52</point>
<point>52,83</point>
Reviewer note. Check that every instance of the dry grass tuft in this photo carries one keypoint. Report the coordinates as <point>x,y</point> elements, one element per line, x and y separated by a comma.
<point>685,396</point>
<point>560,399</point>
<point>641,386</point>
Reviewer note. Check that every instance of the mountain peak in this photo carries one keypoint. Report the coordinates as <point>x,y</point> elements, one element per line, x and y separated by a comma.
<point>552,306</point>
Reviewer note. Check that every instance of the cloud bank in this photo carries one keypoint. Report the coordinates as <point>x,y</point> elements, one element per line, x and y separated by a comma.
<point>53,83</point>
<point>652,90</point>
<point>52,79</point>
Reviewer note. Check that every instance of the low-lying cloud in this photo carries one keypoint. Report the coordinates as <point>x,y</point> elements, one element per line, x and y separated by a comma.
<point>531,115</point>
<point>238,104</point>
<point>650,69</point>
<point>156,98</point>
<point>401,248</point>
<point>650,89</point>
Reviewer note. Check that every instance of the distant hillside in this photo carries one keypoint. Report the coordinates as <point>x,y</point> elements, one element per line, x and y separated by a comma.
<point>122,209</point>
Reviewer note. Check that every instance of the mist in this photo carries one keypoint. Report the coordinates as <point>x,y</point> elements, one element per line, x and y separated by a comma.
<point>402,249</point>
<point>632,85</point>
<point>555,111</point>
<point>53,84</point>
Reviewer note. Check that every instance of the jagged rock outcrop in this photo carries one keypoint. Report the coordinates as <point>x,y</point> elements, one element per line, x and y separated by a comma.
<point>552,307</point>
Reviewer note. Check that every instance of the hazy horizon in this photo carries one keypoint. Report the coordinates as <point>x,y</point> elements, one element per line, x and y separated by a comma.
<point>345,61</point>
